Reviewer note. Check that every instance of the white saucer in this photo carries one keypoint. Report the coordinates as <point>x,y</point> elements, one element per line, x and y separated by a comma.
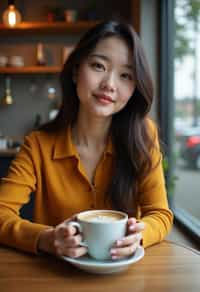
<point>91,265</point>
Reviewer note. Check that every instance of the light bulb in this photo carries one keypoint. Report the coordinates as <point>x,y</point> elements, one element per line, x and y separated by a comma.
<point>11,16</point>
<point>7,99</point>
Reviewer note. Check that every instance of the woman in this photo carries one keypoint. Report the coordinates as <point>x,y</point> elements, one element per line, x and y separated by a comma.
<point>101,152</point>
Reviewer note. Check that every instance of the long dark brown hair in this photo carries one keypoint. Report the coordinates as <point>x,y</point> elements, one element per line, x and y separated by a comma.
<point>129,128</point>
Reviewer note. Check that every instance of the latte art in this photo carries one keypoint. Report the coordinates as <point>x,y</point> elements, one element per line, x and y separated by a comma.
<point>102,217</point>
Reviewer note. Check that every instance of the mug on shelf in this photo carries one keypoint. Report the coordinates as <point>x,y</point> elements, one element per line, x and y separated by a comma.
<point>70,15</point>
<point>3,143</point>
<point>16,61</point>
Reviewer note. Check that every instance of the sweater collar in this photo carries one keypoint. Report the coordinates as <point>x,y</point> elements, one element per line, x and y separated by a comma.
<point>64,146</point>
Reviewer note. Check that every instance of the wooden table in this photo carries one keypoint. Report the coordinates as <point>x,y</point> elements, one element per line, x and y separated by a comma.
<point>165,267</point>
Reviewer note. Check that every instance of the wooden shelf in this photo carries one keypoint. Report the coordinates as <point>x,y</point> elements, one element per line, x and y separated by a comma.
<point>57,27</point>
<point>8,152</point>
<point>30,70</point>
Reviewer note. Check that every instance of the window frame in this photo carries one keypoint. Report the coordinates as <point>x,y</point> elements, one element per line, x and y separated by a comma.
<point>184,219</point>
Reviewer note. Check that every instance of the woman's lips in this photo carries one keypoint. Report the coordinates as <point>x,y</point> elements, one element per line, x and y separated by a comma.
<point>105,99</point>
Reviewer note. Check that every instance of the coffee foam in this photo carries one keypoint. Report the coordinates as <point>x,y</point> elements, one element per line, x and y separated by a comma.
<point>102,217</point>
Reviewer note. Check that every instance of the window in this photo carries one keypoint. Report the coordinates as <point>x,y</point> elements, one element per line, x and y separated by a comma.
<point>180,107</point>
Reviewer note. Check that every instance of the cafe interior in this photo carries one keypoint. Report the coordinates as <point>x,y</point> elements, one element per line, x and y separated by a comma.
<point>36,38</point>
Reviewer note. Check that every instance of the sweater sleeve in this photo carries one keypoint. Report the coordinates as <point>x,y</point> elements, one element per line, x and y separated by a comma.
<point>15,191</point>
<point>154,209</point>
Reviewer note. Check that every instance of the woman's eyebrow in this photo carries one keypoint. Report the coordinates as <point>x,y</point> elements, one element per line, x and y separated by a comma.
<point>105,58</point>
<point>100,56</point>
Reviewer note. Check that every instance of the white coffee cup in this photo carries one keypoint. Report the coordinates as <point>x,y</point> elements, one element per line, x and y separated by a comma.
<point>17,61</point>
<point>101,229</point>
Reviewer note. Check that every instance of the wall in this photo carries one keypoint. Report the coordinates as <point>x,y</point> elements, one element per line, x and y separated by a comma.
<point>30,99</point>
<point>30,91</point>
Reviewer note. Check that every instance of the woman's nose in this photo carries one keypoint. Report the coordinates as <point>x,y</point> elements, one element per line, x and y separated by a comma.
<point>109,82</point>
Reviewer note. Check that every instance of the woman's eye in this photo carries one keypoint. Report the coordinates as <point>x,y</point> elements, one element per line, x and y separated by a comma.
<point>126,76</point>
<point>98,66</point>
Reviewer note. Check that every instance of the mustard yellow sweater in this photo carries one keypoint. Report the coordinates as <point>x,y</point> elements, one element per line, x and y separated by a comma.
<point>49,166</point>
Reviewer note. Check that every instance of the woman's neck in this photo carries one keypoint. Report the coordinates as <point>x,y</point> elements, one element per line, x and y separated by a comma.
<point>91,133</point>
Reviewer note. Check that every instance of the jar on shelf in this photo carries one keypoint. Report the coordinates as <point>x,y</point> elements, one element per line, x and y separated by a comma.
<point>3,142</point>
<point>41,61</point>
<point>70,15</point>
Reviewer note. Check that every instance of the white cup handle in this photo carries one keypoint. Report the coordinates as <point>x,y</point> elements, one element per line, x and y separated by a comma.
<point>78,226</point>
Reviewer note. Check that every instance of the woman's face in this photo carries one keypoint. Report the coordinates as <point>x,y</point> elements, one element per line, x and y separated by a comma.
<point>105,80</point>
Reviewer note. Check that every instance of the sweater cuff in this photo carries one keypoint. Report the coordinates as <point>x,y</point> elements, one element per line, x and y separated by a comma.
<point>29,236</point>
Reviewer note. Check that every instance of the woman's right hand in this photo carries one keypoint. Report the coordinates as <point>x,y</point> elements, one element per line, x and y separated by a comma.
<point>63,240</point>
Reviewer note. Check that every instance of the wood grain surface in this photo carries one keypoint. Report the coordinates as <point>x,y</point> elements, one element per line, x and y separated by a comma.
<point>165,267</point>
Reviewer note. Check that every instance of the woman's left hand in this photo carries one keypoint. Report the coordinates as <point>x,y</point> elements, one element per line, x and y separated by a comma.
<point>127,246</point>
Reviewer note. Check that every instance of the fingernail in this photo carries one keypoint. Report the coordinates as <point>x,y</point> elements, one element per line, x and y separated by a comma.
<point>114,257</point>
<point>119,242</point>
<point>113,251</point>
<point>131,227</point>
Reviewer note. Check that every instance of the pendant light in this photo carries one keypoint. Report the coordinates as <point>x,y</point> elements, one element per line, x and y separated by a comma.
<point>11,16</point>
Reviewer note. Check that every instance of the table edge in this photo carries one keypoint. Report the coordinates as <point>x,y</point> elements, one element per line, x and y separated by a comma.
<point>182,245</point>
